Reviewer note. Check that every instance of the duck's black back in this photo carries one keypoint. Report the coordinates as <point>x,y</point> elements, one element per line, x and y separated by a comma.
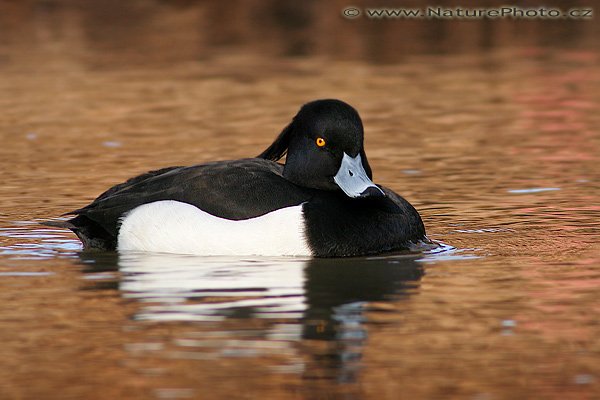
<point>235,190</point>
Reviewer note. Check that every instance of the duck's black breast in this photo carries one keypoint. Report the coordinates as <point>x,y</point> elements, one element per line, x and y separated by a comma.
<point>235,190</point>
<point>337,226</point>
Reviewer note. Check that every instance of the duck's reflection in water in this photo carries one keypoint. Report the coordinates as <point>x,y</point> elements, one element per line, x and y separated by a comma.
<point>312,307</point>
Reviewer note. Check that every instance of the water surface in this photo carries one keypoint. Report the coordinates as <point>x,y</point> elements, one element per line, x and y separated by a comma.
<point>496,146</point>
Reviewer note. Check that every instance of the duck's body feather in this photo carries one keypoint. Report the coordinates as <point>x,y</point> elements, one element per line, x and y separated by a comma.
<point>334,225</point>
<point>169,226</point>
<point>238,189</point>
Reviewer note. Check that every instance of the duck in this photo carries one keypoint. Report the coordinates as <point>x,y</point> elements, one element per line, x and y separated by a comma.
<point>320,202</point>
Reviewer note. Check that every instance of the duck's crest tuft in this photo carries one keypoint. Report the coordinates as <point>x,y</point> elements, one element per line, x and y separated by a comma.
<point>280,146</point>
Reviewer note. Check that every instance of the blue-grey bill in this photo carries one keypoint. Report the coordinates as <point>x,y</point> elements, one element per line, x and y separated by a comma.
<point>353,180</point>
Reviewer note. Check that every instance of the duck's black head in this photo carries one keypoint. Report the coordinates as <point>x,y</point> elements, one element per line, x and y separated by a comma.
<point>324,146</point>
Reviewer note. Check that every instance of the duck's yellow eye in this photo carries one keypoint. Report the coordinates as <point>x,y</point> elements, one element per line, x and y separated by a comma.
<point>320,142</point>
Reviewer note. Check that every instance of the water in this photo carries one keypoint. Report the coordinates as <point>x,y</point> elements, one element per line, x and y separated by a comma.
<point>497,146</point>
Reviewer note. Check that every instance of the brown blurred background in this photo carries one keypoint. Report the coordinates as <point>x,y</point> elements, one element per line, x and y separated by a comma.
<point>114,33</point>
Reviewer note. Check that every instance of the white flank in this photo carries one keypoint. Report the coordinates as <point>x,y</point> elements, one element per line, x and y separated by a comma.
<point>174,227</point>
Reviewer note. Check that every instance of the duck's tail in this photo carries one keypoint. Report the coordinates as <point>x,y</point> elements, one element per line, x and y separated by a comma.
<point>91,234</point>
<point>59,224</point>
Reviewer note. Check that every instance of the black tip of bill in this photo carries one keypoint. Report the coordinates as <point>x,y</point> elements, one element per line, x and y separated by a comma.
<point>372,191</point>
